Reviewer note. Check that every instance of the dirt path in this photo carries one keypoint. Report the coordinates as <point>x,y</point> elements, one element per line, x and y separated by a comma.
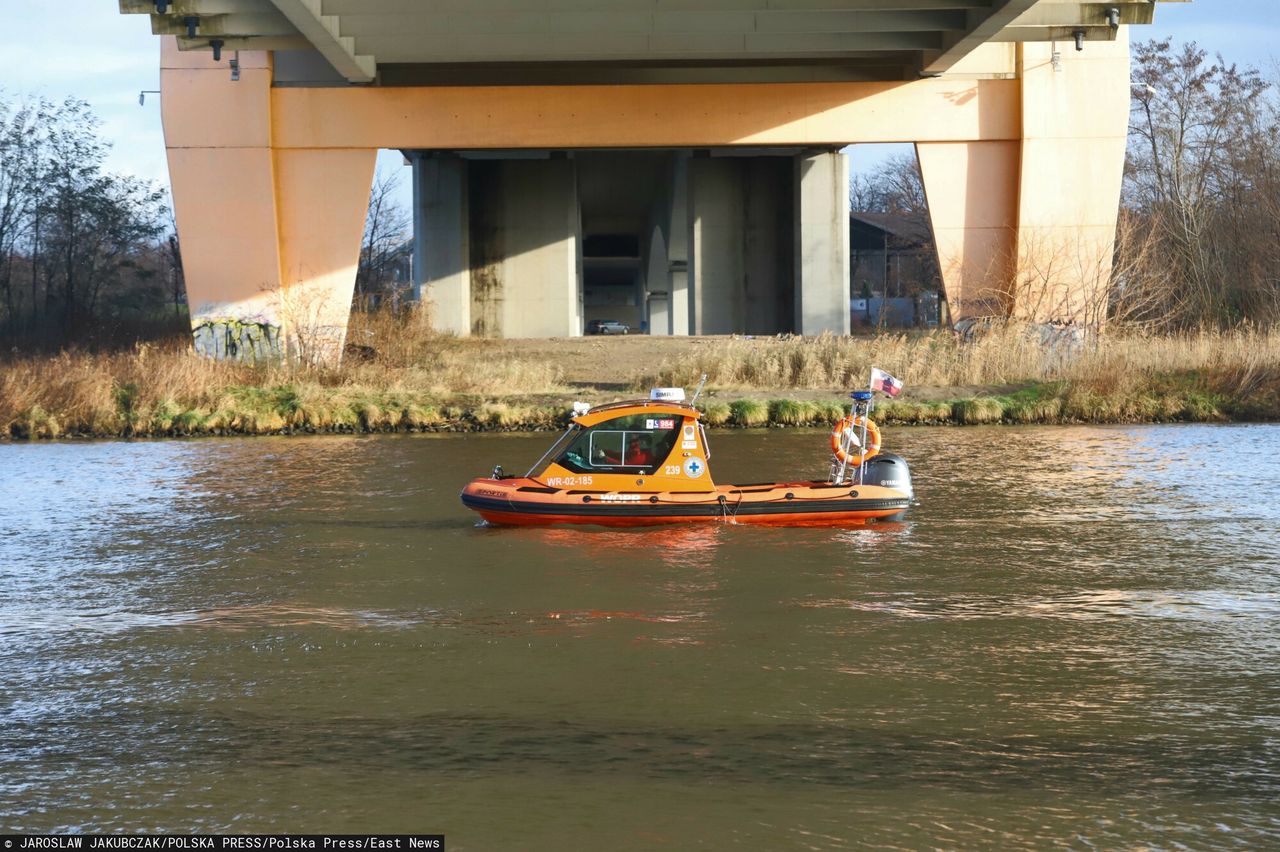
<point>602,362</point>
<point>608,366</point>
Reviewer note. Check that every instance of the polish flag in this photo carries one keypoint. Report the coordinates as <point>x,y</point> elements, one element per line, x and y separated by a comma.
<point>882,381</point>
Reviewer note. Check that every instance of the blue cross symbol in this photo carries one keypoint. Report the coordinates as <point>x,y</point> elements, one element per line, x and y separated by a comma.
<point>693,467</point>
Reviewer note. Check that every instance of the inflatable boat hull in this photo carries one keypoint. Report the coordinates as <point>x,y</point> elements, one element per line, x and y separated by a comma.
<point>527,502</point>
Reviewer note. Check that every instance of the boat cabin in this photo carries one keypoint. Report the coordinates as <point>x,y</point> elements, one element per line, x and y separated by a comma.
<point>642,445</point>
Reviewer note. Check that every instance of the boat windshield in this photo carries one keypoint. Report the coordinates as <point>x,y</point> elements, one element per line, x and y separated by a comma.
<point>635,443</point>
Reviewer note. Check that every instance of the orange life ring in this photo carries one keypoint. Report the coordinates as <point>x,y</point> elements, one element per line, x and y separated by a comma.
<point>849,427</point>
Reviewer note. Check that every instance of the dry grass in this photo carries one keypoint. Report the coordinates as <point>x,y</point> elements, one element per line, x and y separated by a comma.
<point>835,362</point>
<point>405,377</point>
<point>406,352</point>
<point>395,377</point>
<point>1118,360</point>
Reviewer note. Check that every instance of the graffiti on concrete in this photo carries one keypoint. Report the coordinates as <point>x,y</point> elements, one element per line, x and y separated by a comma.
<point>238,340</point>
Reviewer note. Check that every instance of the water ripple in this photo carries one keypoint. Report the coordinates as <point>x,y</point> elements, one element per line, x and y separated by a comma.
<point>1074,640</point>
<point>1082,606</point>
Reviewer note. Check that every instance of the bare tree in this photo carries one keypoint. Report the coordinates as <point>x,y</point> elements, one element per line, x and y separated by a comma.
<point>173,268</point>
<point>83,238</point>
<point>386,246</point>
<point>895,186</point>
<point>1201,177</point>
<point>17,192</point>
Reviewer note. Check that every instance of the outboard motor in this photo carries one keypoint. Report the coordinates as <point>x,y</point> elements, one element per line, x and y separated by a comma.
<point>888,470</point>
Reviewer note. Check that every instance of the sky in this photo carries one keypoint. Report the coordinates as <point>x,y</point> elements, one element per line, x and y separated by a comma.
<point>87,49</point>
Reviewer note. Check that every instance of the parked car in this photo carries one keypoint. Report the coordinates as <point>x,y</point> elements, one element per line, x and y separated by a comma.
<point>600,326</point>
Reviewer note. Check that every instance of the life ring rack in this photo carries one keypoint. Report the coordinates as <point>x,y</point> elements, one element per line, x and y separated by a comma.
<point>844,441</point>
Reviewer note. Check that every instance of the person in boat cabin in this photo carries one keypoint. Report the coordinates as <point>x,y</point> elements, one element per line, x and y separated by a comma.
<point>629,441</point>
<point>637,454</point>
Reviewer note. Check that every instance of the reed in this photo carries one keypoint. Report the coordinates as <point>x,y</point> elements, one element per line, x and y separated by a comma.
<point>978,411</point>
<point>1242,361</point>
<point>790,412</point>
<point>396,373</point>
<point>400,376</point>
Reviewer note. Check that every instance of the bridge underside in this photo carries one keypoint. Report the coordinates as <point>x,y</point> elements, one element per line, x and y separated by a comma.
<point>707,241</point>
<point>558,42</point>
<point>683,207</point>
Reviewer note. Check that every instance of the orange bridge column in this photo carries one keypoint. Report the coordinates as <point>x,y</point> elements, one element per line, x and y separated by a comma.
<point>1027,227</point>
<point>270,238</point>
<point>972,190</point>
<point>1075,122</point>
<point>322,196</point>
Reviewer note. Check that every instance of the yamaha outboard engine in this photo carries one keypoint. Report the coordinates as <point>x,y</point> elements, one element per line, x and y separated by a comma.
<point>885,470</point>
<point>888,470</point>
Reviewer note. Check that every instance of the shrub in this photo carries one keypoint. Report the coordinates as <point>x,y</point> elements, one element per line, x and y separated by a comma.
<point>748,412</point>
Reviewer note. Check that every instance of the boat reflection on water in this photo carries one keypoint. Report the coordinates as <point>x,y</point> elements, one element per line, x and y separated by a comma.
<point>689,568</point>
<point>695,547</point>
<point>674,546</point>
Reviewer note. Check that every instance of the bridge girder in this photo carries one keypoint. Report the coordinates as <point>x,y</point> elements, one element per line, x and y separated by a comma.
<point>411,41</point>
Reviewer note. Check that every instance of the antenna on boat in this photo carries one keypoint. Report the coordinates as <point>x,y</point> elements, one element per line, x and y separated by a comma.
<point>698,392</point>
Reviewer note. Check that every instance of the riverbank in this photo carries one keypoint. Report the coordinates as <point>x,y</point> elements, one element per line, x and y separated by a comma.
<point>399,377</point>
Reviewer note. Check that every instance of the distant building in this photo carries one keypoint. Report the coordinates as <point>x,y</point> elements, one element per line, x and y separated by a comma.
<point>385,279</point>
<point>893,271</point>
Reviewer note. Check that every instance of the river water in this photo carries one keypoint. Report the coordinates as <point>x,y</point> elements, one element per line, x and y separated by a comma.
<point>1073,639</point>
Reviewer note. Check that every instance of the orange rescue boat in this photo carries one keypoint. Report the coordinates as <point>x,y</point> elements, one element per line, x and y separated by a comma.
<point>647,462</point>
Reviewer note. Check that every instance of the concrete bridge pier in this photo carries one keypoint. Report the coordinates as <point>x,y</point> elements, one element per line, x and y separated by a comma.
<point>716,245</point>
<point>742,238</point>
<point>1025,226</point>
<point>678,247</point>
<point>666,261</point>
<point>769,243</point>
<point>497,244</point>
<point>822,243</point>
<point>525,248</point>
<point>441,250</point>
<point>270,236</point>
<point>535,243</point>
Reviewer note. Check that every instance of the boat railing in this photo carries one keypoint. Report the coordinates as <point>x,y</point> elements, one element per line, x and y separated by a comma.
<point>863,405</point>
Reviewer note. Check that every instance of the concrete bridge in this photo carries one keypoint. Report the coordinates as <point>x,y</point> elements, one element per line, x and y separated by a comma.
<point>671,162</point>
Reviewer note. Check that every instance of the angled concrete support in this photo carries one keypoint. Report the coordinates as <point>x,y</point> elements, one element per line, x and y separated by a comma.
<point>270,238</point>
<point>1074,131</point>
<point>972,191</point>
<point>1027,227</point>
<point>822,243</point>
<point>322,197</point>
